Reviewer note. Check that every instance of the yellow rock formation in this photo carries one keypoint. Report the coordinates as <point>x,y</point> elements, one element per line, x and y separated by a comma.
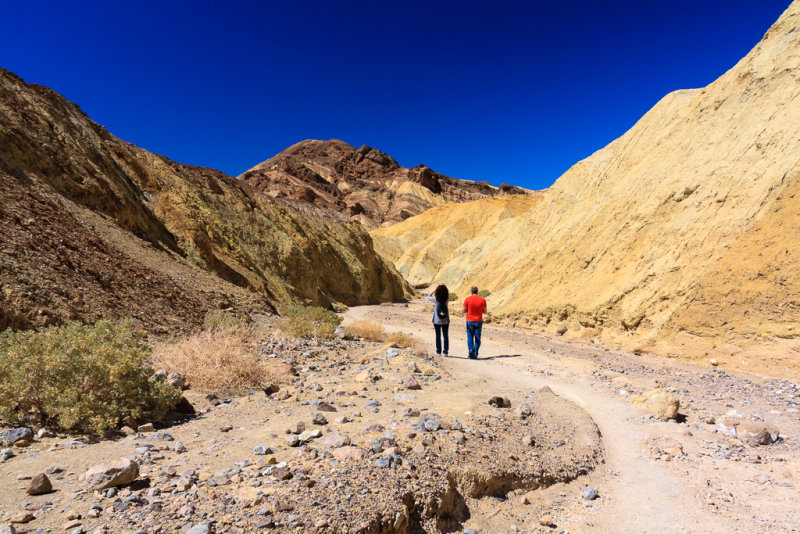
<point>681,236</point>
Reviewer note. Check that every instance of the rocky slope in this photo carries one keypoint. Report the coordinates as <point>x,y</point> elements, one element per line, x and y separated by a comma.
<point>679,236</point>
<point>94,226</point>
<point>363,184</point>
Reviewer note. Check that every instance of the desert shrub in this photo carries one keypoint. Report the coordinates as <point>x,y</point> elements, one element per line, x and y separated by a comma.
<point>221,360</point>
<point>80,378</point>
<point>310,321</point>
<point>222,319</point>
<point>484,293</point>
<point>401,339</point>
<point>453,297</point>
<point>367,330</point>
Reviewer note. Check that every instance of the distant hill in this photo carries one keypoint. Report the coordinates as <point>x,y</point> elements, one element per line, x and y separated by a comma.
<point>683,235</point>
<point>95,227</point>
<point>363,184</point>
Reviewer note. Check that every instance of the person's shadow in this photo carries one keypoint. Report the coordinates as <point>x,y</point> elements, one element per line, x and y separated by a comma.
<point>485,357</point>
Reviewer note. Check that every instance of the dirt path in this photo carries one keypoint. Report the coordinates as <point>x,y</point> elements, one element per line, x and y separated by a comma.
<point>638,493</point>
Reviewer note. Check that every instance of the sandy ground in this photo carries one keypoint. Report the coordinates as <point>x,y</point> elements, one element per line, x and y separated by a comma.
<point>659,477</point>
<point>716,485</point>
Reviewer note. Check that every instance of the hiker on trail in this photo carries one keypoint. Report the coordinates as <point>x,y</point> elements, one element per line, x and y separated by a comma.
<point>474,307</point>
<point>441,317</point>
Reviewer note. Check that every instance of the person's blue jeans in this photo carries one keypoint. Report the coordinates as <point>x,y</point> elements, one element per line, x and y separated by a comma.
<point>441,331</point>
<point>474,337</point>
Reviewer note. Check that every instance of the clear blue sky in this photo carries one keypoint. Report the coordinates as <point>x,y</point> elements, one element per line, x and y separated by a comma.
<point>501,91</point>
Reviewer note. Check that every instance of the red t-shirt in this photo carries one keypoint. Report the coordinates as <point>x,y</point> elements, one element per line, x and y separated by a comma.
<point>476,305</point>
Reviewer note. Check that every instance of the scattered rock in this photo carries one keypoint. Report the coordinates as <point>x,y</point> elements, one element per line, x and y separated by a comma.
<point>261,450</point>
<point>69,525</point>
<point>500,402</point>
<point>21,518</point>
<point>308,435</point>
<point>6,454</point>
<point>147,427</point>
<point>5,528</point>
<point>714,362</point>
<point>39,485</point>
<point>410,382</point>
<point>546,521</point>
<point>523,411</point>
<point>10,437</point>
<point>118,473</point>
<point>660,403</point>
<point>749,429</point>
<point>176,380</point>
<point>269,389</point>
<point>349,452</point>
<point>334,440</point>
<point>45,433</point>
<point>589,493</point>
<point>319,419</point>
<point>130,422</point>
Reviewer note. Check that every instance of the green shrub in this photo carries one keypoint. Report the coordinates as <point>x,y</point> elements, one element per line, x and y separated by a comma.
<point>484,293</point>
<point>453,297</point>
<point>80,378</point>
<point>308,321</point>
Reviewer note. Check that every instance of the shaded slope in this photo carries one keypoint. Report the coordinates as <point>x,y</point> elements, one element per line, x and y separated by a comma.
<point>49,149</point>
<point>363,184</point>
<point>647,235</point>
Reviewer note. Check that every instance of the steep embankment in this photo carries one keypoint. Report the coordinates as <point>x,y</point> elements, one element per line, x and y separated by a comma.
<point>682,233</point>
<point>172,240</point>
<point>422,246</point>
<point>362,184</point>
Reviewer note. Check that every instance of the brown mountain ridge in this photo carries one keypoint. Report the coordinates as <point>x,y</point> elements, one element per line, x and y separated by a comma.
<point>93,226</point>
<point>363,184</point>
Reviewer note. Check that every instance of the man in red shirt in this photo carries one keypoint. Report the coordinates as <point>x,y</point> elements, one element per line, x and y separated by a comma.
<point>474,307</point>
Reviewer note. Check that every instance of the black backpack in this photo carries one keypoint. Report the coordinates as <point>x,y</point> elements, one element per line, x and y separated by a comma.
<point>441,310</point>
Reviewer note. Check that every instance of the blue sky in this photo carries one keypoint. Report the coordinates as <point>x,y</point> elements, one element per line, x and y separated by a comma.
<point>511,92</point>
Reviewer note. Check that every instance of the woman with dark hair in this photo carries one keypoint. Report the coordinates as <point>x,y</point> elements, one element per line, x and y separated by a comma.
<point>441,317</point>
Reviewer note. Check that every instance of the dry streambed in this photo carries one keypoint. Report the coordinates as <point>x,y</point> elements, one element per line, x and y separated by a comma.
<point>365,439</point>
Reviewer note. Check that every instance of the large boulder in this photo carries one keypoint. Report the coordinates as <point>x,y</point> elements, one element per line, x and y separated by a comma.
<point>660,403</point>
<point>9,437</point>
<point>118,473</point>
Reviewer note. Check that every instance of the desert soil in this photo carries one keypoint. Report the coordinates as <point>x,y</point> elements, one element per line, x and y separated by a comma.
<point>437,458</point>
<point>717,484</point>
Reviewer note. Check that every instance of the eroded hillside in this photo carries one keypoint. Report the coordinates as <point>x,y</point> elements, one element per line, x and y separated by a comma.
<point>362,184</point>
<point>98,227</point>
<point>681,235</point>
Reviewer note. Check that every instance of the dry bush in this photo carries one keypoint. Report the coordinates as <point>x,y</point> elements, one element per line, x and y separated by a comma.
<point>367,330</point>
<point>401,340</point>
<point>310,321</point>
<point>223,319</point>
<point>219,360</point>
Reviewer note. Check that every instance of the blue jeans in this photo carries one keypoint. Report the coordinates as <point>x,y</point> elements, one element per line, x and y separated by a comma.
<point>474,337</point>
<point>442,329</point>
